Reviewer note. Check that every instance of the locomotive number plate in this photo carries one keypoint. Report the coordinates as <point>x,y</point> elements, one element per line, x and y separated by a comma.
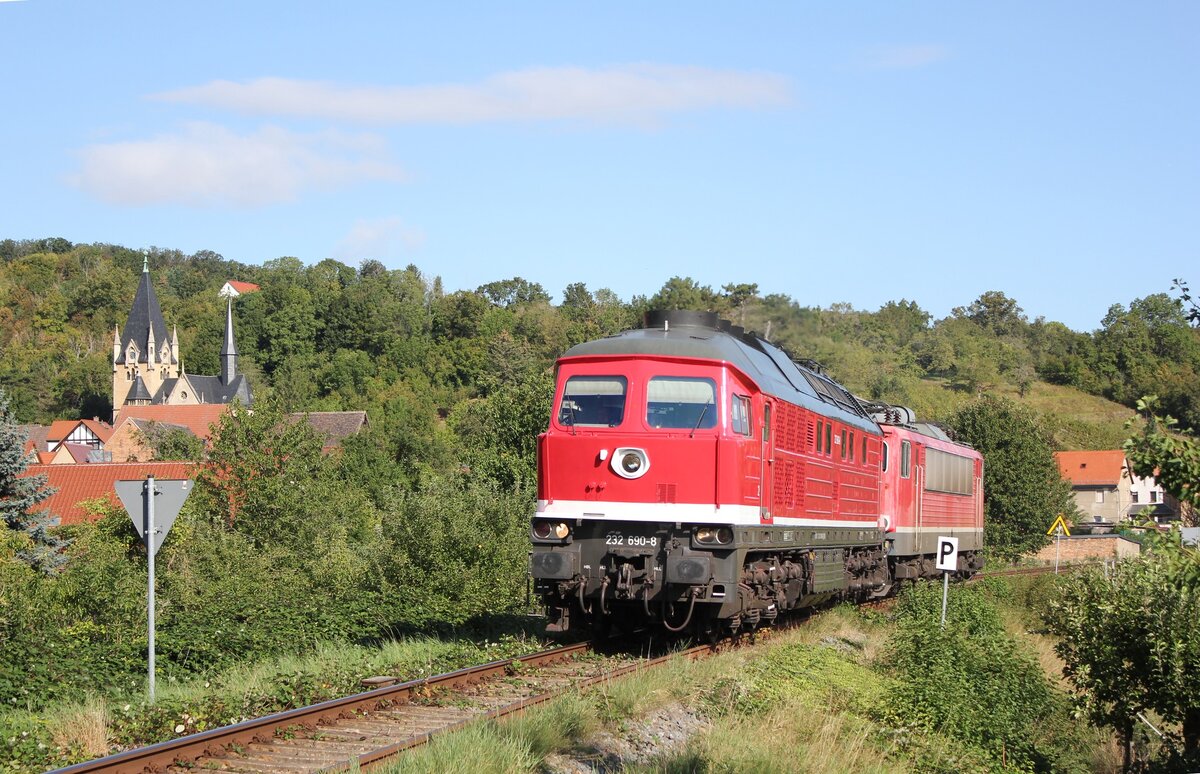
<point>637,541</point>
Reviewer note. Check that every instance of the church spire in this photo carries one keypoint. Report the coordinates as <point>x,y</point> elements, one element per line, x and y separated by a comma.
<point>229,348</point>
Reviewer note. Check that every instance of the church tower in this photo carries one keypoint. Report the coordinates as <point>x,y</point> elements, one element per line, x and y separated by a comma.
<point>144,357</point>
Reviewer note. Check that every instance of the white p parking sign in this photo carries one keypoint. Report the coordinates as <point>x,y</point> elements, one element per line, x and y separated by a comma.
<point>947,554</point>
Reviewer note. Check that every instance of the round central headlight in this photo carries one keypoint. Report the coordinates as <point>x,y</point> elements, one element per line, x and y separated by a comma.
<point>542,529</point>
<point>630,463</point>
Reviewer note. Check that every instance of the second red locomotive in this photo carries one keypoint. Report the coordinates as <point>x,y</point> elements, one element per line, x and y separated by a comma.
<point>695,476</point>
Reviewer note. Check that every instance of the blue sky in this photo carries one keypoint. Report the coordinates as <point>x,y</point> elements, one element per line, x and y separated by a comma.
<point>855,153</point>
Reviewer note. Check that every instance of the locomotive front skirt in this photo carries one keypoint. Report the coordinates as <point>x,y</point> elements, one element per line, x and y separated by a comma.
<point>696,476</point>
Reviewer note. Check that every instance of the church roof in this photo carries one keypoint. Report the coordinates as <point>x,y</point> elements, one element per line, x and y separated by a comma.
<point>210,389</point>
<point>144,317</point>
<point>138,391</point>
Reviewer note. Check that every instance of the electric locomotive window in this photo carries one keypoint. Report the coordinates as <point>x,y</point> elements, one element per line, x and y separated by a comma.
<point>820,435</point>
<point>739,413</point>
<point>593,401</point>
<point>850,448</point>
<point>864,454</point>
<point>946,472</point>
<point>905,455</point>
<point>842,450</point>
<point>681,403</point>
<point>884,464</point>
<point>829,438</point>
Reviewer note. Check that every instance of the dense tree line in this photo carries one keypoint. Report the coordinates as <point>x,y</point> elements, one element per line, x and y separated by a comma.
<point>422,519</point>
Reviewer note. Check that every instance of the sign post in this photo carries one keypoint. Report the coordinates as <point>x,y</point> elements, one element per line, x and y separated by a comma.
<point>138,497</point>
<point>947,562</point>
<point>1058,528</point>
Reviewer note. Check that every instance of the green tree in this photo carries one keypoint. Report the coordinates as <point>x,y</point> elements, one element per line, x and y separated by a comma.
<point>1023,491</point>
<point>19,493</point>
<point>1130,641</point>
<point>684,293</point>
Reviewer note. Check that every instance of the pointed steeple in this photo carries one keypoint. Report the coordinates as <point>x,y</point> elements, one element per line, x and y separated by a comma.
<point>116,345</point>
<point>229,348</point>
<point>175,345</point>
<point>145,320</point>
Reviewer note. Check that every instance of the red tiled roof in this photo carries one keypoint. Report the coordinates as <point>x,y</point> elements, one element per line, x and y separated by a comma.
<point>1091,468</point>
<point>242,287</point>
<point>61,428</point>
<point>194,418</point>
<point>45,457</point>
<point>78,451</point>
<point>76,483</point>
<point>102,430</point>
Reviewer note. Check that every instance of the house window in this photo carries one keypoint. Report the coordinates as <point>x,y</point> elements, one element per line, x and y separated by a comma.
<point>1099,495</point>
<point>1153,495</point>
<point>1134,495</point>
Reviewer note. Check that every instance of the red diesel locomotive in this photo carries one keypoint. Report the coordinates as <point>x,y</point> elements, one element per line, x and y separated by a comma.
<point>695,476</point>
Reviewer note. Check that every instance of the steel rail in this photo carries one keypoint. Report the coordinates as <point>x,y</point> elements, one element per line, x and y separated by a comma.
<point>160,756</point>
<point>374,758</point>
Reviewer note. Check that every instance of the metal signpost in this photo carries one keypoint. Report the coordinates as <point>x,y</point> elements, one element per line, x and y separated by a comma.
<point>947,562</point>
<point>153,521</point>
<point>1058,528</point>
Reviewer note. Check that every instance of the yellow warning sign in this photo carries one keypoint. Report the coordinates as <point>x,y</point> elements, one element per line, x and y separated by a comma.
<point>1059,522</point>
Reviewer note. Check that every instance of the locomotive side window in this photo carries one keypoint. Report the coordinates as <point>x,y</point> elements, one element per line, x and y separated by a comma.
<point>884,465</point>
<point>820,435</point>
<point>842,445</point>
<point>593,401</point>
<point>864,454</point>
<point>905,459</point>
<point>851,446</point>
<point>681,403</point>
<point>739,413</point>
<point>829,438</point>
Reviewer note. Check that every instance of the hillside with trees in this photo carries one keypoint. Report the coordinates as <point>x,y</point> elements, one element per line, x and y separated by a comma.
<point>420,523</point>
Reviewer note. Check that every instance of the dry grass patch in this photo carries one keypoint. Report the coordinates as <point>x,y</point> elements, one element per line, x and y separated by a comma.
<point>83,727</point>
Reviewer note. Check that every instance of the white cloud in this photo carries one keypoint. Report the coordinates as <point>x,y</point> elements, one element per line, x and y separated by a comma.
<point>209,165</point>
<point>637,93</point>
<point>905,57</point>
<point>380,238</point>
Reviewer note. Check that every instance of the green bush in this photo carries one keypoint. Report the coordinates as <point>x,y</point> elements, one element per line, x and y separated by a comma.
<point>970,680</point>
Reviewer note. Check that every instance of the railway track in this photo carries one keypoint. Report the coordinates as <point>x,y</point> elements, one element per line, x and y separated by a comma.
<point>370,727</point>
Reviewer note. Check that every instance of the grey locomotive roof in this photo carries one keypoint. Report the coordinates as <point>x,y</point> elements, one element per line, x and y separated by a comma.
<point>697,335</point>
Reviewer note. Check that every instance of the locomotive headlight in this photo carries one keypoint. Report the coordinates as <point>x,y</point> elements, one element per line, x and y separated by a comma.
<point>548,530</point>
<point>721,536</point>
<point>630,463</point>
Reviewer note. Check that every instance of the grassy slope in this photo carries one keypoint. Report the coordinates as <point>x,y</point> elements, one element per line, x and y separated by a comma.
<point>811,701</point>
